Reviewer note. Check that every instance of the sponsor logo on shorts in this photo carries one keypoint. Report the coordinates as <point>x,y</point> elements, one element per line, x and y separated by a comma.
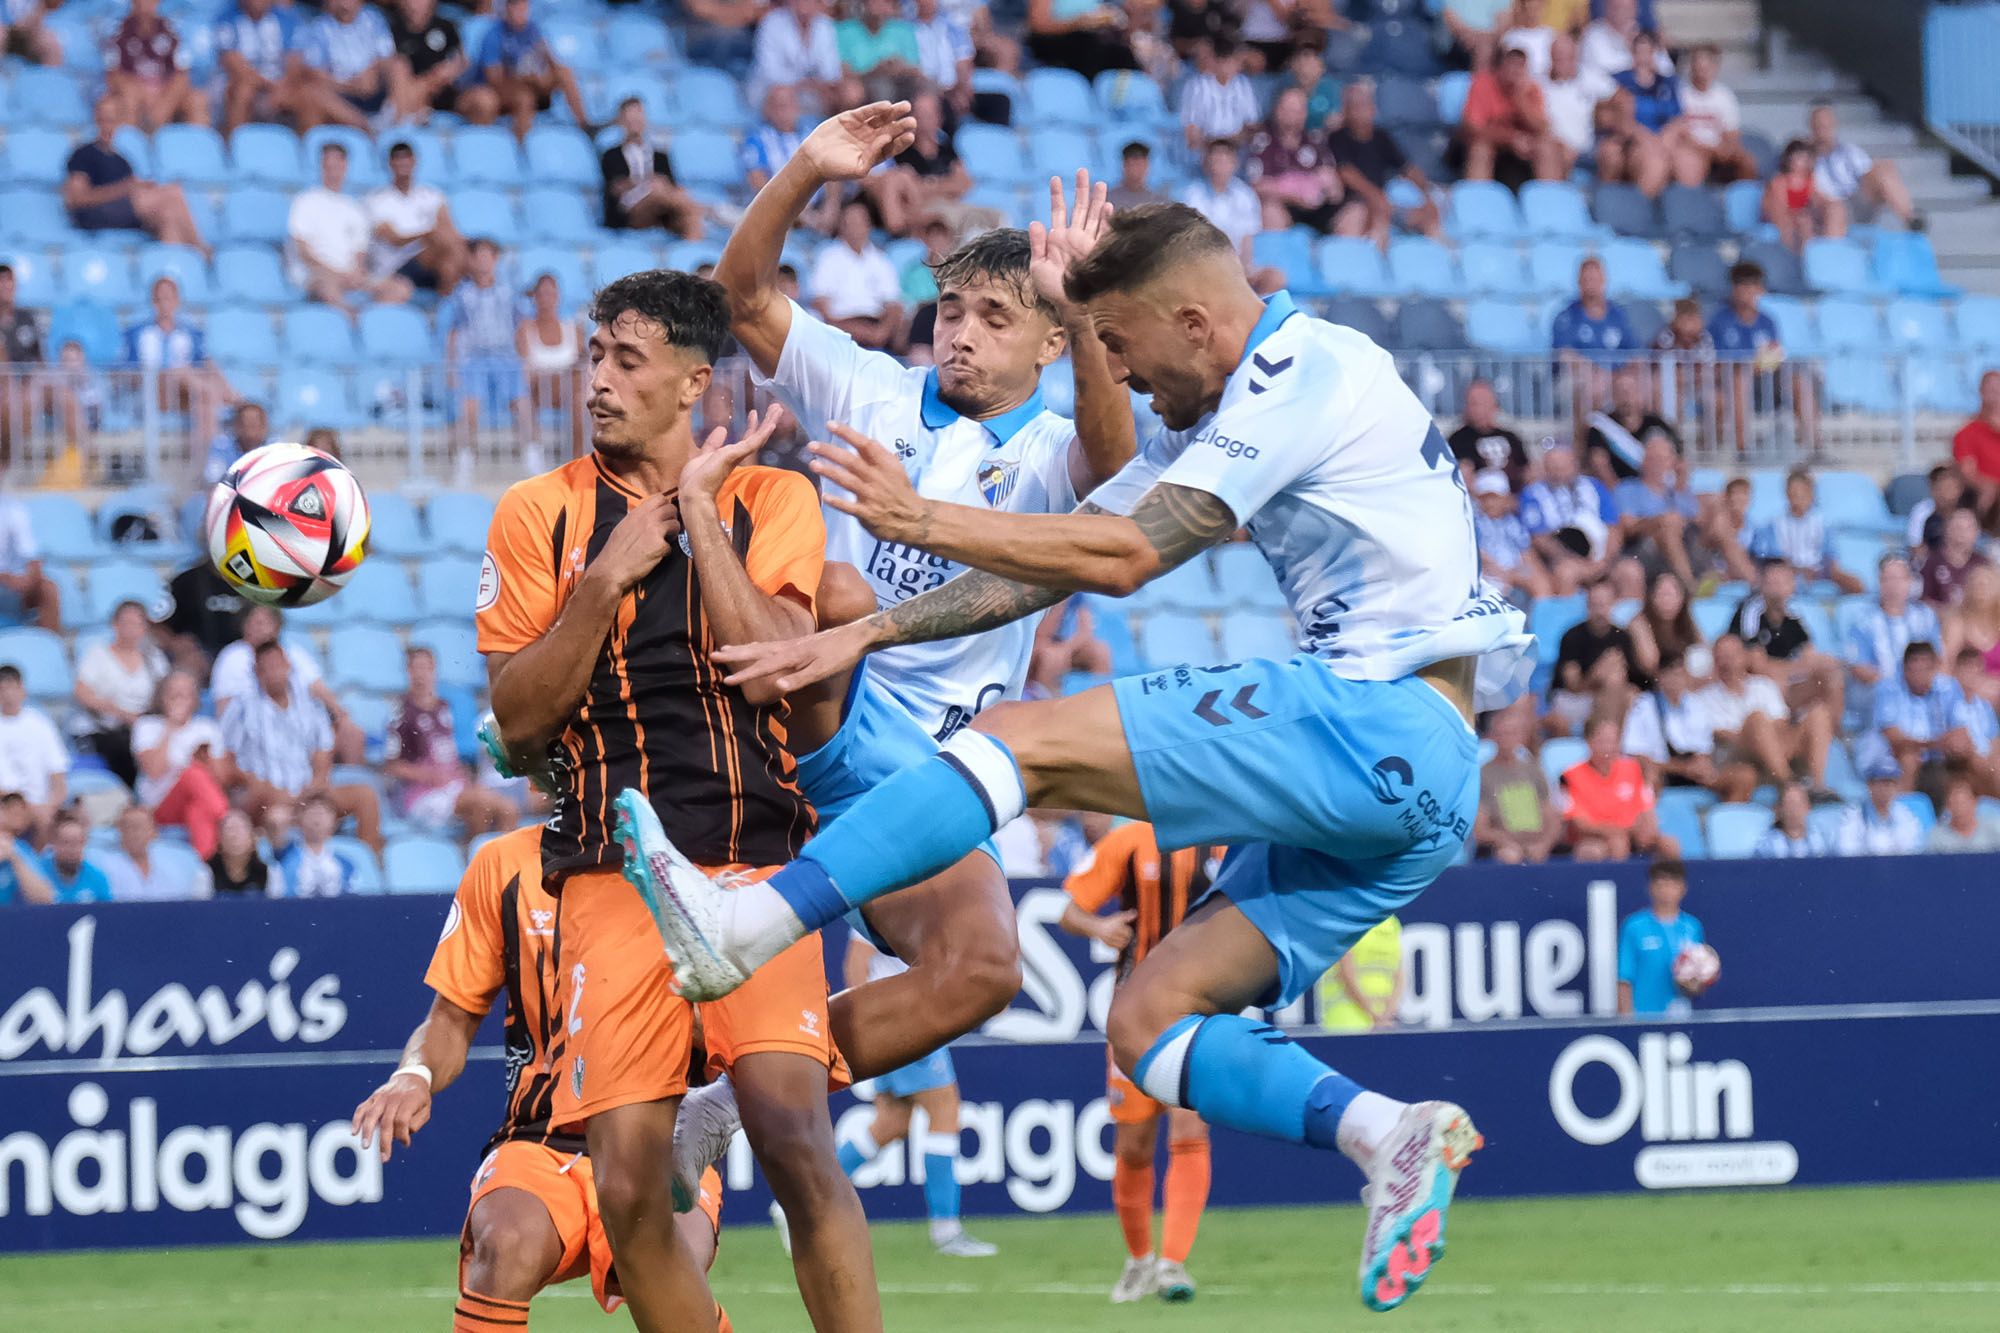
<point>809,1022</point>
<point>1392,777</point>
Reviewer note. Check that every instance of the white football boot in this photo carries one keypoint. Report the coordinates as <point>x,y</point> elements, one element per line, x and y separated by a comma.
<point>1410,1183</point>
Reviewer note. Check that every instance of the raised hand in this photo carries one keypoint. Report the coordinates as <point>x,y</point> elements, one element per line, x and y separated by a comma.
<point>850,145</point>
<point>880,493</point>
<point>1069,236</point>
<point>710,464</point>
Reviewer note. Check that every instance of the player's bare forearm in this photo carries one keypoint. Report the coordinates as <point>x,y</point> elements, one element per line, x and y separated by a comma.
<point>538,689</point>
<point>442,1042</point>
<point>1106,437</point>
<point>737,610</point>
<point>759,314</point>
<point>1076,921</point>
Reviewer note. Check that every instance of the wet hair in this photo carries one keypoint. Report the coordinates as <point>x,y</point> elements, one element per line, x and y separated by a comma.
<point>999,256</point>
<point>689,312</point>
<point>1141,245</point>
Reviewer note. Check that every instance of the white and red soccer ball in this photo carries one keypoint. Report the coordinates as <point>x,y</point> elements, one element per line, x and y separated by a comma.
<point>286,525</point>
<point>1696,968</point>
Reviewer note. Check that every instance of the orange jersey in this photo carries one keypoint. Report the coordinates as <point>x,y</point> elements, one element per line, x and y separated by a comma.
<point>1128,865</point>
<point>656,715</point>
<point>499,938</point>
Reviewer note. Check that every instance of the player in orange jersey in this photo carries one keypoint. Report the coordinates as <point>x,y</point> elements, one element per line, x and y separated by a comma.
<point>607,583</point>
<point>1153,890</point>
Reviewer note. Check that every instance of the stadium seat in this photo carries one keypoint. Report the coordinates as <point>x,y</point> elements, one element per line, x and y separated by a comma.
<point>1422,267</point>
<point>133,145</point>
<point>1552,267</point>
<point>267,155</point>
<point>1626,211</point>
<point>116,581</point>
<point>396,334</point>
<point>487,213</point>
<point>48,97</point>
<point>617,259</point>
<point>34,278</point>
<point>1700,267</point>
<point>1633,271</point>
<point>1549,619</point>
<point>993,155</point>
<point>361,657</point>
<point>318,335</point>
<point>1353,264</point>
<point>1559,755</point>
<point>558,216</point>
<point>1400,45</point>
<point>1682,822</point>
<point>1244,581</point>
<point>396,525</point>
<point>190,155</point>
<point>575,43</point>
<point>561,155</point>
<point>1503,326</point>
<point>1361,314</point>
<point>687,256</point>
<point>1743,207</point>
<point>711,97</point>
<point>1978,321</point>
<point>1430,326</point>
<point>563,264</point>
<point>1290,252</point>
<point>486,155</point>
<point>1056,150</point>
<point>1058,97</point>
<point>182,263</point>
<point>367,866</point>
<point>308,398</point>
<point>239,335</point>
<point>1129,98</point>
<point>41,658</point>
<point>1174,638</point>
<point>1919,325</point>
<point>33,156</point>
<point>92,327</point>
<point>706,157</point>
<point>1839,266</point>
<point>1797,329</point>
<point>455,645</point>
<point>1862,382</point>
<point>1846,324</point>
<point>1782,274</point>
<point>1646,319</point>
<point>255,215</point>
<point>1693,214</point>
<point>380,591</point>
<point>639,39</point>
<point>251,274</point>
<point>63,527</point>
<point>96,273</point>
<point>1188,587</point>
<point>1265,634</point>
<point>1905,262</point>
<point>1938,385</point>
<point>364,170</point>
<point>458,522</point>
<point>1492,269</point>
<point>33,217</point>
<point>417,864</point>
<point>1404,104</point>
<point>1712,615</point>
<point>1453,87</point>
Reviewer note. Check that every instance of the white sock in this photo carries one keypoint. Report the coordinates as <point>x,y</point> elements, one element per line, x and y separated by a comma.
<point>1367,1121</point>
<point>758,925</point>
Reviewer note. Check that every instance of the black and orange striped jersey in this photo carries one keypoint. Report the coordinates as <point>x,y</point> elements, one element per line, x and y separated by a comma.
<point>1127,864</point>
<point>656,715</point>
<point>500,939</point>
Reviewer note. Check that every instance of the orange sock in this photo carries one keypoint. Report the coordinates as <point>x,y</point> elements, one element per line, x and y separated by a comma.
<point>1132,1196</point>
<point>722,1319</point>
<point>487,1314</point>
<point>1187,1195</point>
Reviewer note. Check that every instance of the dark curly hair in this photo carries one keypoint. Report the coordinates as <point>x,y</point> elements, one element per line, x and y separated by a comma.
<point>1001,256</point>
<point>688,311</point>
<point>1142,244</point>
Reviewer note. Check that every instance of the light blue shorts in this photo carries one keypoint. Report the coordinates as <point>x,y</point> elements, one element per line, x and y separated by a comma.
<point>932,1071</point>
<point>877,738</point>
<point>1341,799</point>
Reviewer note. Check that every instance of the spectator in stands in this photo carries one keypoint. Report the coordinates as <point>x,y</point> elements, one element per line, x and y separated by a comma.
<point>235,673</point>
<point>188,381</point>
<point>1879,636</point>
<point>1307,69</point>
<point>516,63</point>
<point>478,321</point>
<point>854,285</point>
<point>1664,629</point>
<point>1656,92</point>
<point>1481,443</point>
<point>1881,825</point>
<point>1219,102</point>
<point>1618,438</point>
<point>718,32</point>
<point>435,64</point>
<point>639,187</point>
<point>1294,175</point>
<point>251,39</point>
<point>280,746</point>
<point>1976,627</point>
<point>1976,451</point>
<point>73,876</point>
<point>139,875</point>
<point>1956,555</point>
<point>414,235</point>
<point>920,291</point>
<point>22,878</point>
<point>1919,722</point>
<point>1610,803</point>
<point>1711,142</point>
<point>1593,666</point>
<point>797,47</point>
<point>1979,719</point>
<point>1796,205</point>
<point>1746,337</point>
<point>1591,335</point>
<point>101,193</point>
<point>1065,641</point>
<point>1844,170</point>
<point>1669,731</point>
<point>1792,834</point>
<point>1963,828</point>
<point>311,865</point>
<point>1369,159</point>
<point>1753,724</point>
<point>1657,512</point>
<point>1570,100</point>
<point>1135,160</point>
<point>928,175</point>
<point>23,34</point>
<point>1683,384</point>
<point>20,345</point>
<point>1798,536</point>
<point>327,241</point>
<point>878,47</point>
<point>115,682</point>
<point>1517,823</point>
<point>551,345</point>
<point>1781,648</point>
<point>1650,942</point>
<point>146,76</point>
<point>1726,532</point>
<point>1363,992</point>
<point>945,54</point>
<point>1526,27</point>
<point>1225,200</point>
<point>345,63</point>
<point>1948,491</point>
<point>1628,151</point>
<point>177,752</point>
<point>249,428</point>
<point>772,143</point>
<point>1475,27</point>
<point>433,785</point>
<point>1194,24</point>
<point>1506,550</point>
<point>33,759</point>
<point>1605,46</point>
<point>1503,132</point>
<point>1087,36</point>
<point>26,593</point>
<point>236,868</point>
<point>200,617</point>
<point>1573,520</point>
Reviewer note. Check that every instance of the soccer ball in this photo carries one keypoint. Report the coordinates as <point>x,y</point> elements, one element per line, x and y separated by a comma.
<point>286,525</point>
<point>1696,968</point>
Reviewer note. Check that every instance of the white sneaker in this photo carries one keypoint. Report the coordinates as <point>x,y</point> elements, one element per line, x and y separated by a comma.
<point>1136,1282</point>
<point>784,1229</point>
<point>958,1245</point>
<point>707,1122</point>
<point>1410,1183</point>
<point>688,907</point>
<point>1171,1280</point>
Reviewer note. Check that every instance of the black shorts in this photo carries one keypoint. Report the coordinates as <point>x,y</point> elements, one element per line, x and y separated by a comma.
<point>366,103</point>
<point>118,215</point>
<point>1317,216</point>
<point>418,275</point>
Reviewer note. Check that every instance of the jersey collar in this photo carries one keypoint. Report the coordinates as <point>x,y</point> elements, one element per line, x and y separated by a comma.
<point>1277,309</point>
<point>937,414</point>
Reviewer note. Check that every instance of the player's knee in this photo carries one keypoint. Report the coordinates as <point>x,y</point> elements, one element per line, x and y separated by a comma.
<point>512,1253</point>
<point>799,1163</point>
<point>627,1193</point>
<point>1137,1018</point>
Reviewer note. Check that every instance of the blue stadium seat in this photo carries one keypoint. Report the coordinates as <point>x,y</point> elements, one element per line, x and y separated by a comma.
<point>1939,385</point>
<point>34,156</point>
<point>1452,89</point>
<point>456,647</point>
<point>486,213</point>
<point>1483,210</point>
<point>614,261</point>
<point>396,334</point>
<point>575,43</point>
<point>183,263</point>
<point>1712,615</point>
<point>1743,207</point>
<point>115,581</point>
<point>1404,104</point>
<point>1057,150</point>
<point>706,157</point>
<point>1627,212</point>
<point>63,527</point>
<point>1420,266</point>
<point>48,97</point>
<point>136,149</point>
<point>1290,252</point>
<point>711,97</point>
<point>41,658</point>
<point>380,591</point>
<point>96,273</point>
<point>395,523</point>
<point>308,398</point>
<point>361,657</point>
<point>486,155</point>
<point>563,264</point>
<point>1858,553</point>
<point>364,169</point>
<point>252,274</point>
<point>1680,806</point>
<point>458,522</point>
<point>559,216</point>
<point>1826,820</point>
<point>1427,325</point>
<point>34,278</point>
<point>419,864</point>
<point>1796,326</point>
<point>33,217</point>
<point>1173,638</point>
<point>1266,634</point>
<point>1782,274</point>
<point>1682,822</point>
<point>1059,97</point>
<point>993,155</point>
<point>1978,321</point>
<point>190,154</point>
<point>1863,383</point>
<point>1693,214</point>
<point>1129,98</point>
<point>1552,268</point>
<point>1402,46</point>
<point>1905,262</point>
<point>239,335</point>
<point>367,867</point>
<point>1503,326</point>
<point>1549,618</point>
<point>1848,324</point>
<point>561,155</point>
<point>1700,267</point>
<point>1920,325</point>
<point>687,256</point>
<point>1361,314</point>
<point>318,335</point>
<point>1244,581</point>
<point>1188,587</point>
<point>256,215</point>
<point>1559,755</point>
<point>1839,266</point>
<point>1492,269</point>
<point>1353,264</point>
<point>639,39</point>
<point>1632,269</point>
<point>268,155</point>
<point>90,326</point>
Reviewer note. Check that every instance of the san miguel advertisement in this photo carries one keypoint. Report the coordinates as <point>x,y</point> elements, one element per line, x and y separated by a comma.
<point>184,1073</point>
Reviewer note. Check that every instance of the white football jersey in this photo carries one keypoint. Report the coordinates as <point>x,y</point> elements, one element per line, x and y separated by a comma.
<point>1018,461</point>
<point>1350,491</point>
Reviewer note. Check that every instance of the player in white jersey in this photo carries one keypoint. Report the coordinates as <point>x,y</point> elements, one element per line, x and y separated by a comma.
<point>1346,776</point>
<point>972,430</point>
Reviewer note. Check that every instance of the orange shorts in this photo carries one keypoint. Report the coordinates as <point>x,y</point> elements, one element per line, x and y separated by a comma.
<point>623,1036</point>
<point>783,1007</point>
<point>1129,1106</point>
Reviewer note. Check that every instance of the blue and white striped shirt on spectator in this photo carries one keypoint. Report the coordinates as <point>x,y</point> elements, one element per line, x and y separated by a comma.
<point>1878,639</point>
<point>1219,110</point>
<point>1838,174</point>
<point>261,42</point>
<point>1797,539</point>
<point>483,317</point>
<point>1980,723</point>
<point>1919,717</point>
<point>344,51</point>
<point>156,348</point>
<point>1775,843</point>
<point>1503,540</point>
<point>767,148</point>
<point>274,743</point>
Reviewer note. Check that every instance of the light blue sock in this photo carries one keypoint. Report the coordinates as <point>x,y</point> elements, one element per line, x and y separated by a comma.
<point>941,1178</point>
<point>1249,1076</point>
<point>851,1158</point>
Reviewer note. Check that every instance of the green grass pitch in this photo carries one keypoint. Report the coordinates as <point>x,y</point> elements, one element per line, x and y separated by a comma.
<point>1834,1261</point>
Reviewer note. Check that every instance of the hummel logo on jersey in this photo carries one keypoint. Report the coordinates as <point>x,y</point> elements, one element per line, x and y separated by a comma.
<point>1272,368</point>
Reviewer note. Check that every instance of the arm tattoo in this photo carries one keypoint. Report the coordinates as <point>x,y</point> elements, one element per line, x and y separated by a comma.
<point>973,602</point>
<point>1182,522</point>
